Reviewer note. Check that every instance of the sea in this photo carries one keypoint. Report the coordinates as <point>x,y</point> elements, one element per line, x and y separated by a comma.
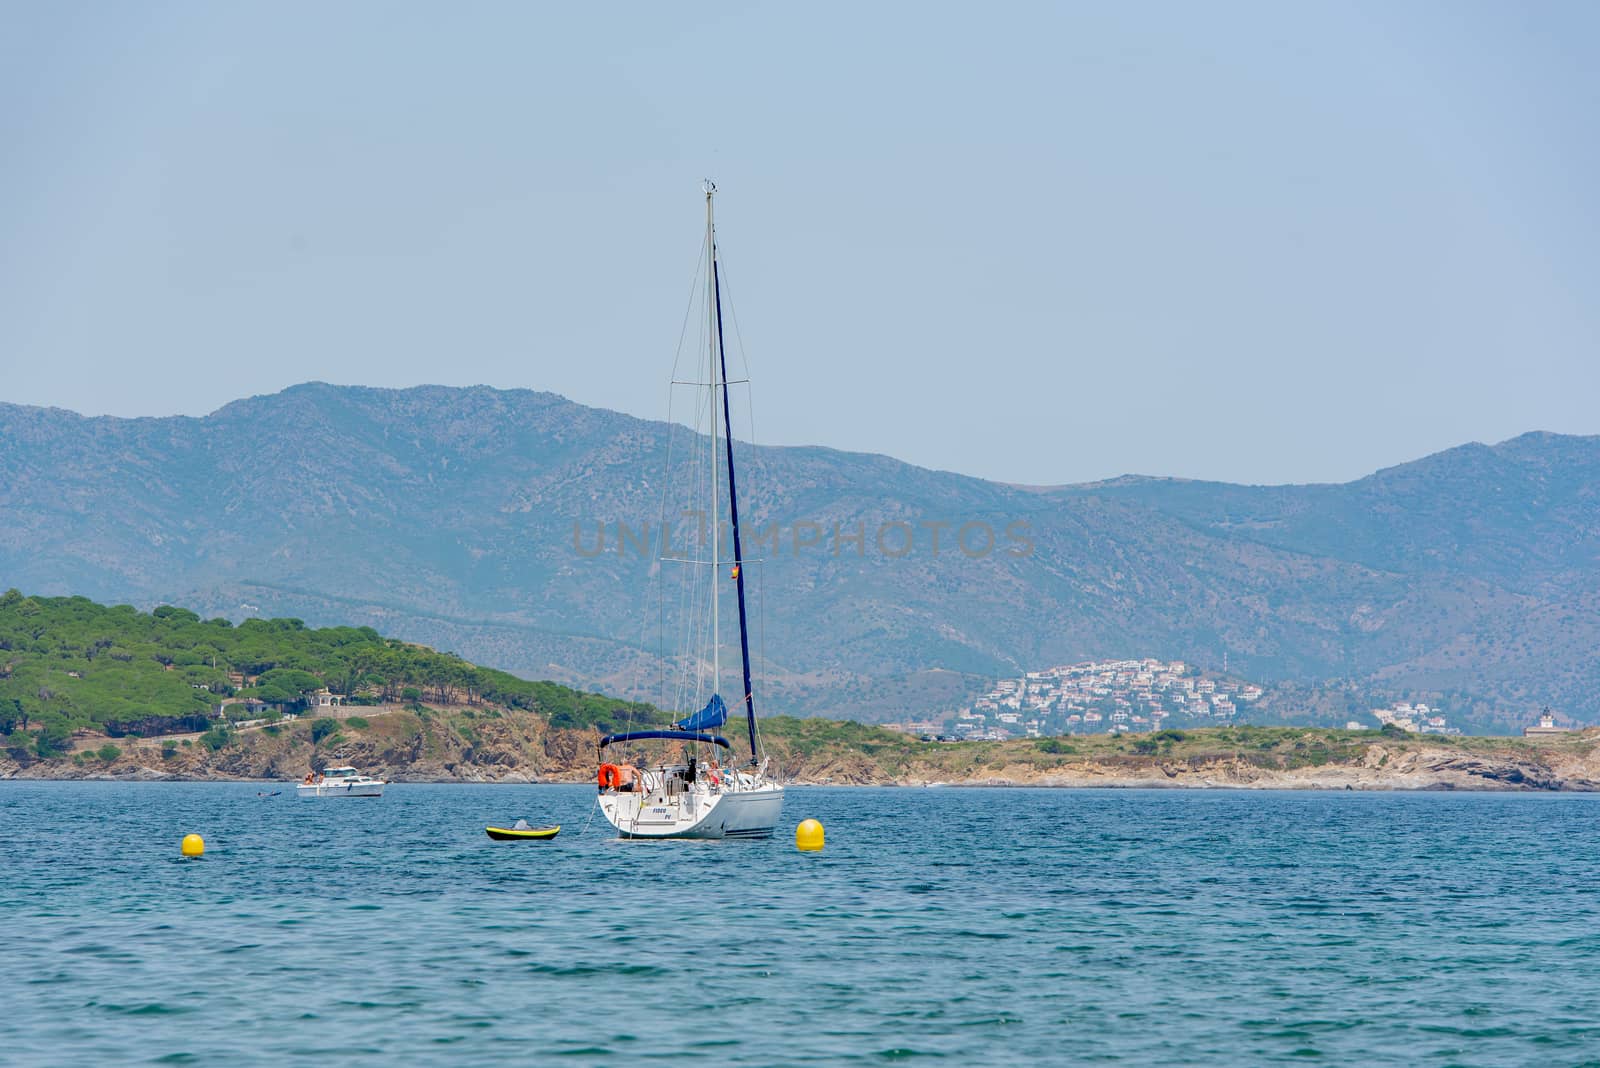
<point>944,925</point>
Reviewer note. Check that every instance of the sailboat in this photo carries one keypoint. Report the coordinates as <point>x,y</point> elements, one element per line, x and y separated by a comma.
<point>707,793</point>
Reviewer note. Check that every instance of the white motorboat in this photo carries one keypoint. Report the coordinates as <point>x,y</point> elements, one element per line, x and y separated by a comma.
<point>340,781</point>
<point>697,795</point>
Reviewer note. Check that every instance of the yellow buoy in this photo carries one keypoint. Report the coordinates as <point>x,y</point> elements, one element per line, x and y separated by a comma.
<point>193,845</point>
<point>808,836</point>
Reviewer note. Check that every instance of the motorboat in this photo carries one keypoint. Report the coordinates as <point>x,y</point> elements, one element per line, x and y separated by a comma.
<point>340,781</point>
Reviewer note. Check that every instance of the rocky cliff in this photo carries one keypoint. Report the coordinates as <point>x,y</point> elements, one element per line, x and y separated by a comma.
<point>432,746</point>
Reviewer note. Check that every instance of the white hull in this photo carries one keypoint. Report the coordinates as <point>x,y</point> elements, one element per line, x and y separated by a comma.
<point>328,789</point>
<point>699,812</point>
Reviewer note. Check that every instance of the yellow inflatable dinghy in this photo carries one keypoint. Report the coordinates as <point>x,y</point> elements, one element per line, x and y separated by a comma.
<point>521,832</point>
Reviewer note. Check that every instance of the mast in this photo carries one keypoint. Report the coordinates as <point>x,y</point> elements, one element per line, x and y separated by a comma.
<point>714,333</point>
<point>720,373</point>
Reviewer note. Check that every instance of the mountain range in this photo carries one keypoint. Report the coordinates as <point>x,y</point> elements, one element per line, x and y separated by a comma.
<point>488,523</point>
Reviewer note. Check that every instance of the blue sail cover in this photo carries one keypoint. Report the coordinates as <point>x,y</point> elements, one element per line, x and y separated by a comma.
<point>715,714</point>
<point>685,736</point>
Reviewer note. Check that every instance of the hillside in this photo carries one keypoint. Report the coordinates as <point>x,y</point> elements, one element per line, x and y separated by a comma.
<point>68,666</point>
<point>447,517</point>
<point>89,690</point>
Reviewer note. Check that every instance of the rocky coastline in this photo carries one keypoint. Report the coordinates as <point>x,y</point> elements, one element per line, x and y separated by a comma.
<point>433,746</point>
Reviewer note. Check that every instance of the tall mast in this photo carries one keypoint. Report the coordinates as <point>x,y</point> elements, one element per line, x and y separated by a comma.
<point>721,374</point>
<point>714,333</point>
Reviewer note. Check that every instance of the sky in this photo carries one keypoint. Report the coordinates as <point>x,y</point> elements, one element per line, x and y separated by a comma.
<point>1254,242</point>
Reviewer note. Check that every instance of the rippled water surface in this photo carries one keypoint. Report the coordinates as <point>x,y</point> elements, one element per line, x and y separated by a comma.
<point>969,926</point>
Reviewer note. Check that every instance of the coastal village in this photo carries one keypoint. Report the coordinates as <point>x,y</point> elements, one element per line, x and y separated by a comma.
<point>1101,696</point>
<point>1131,696</point>
<point>1417,718</point>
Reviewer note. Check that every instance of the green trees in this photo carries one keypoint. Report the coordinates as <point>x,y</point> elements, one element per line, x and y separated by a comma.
<point>12,715</point>
<point>68,663</point>
<point>286,686</point>
<point>52,741</point>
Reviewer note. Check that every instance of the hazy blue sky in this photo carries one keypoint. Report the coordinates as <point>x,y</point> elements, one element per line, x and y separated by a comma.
<point>1255,242</point>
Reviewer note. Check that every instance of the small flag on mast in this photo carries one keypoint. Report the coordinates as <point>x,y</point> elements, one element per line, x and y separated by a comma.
<point>735,574</point>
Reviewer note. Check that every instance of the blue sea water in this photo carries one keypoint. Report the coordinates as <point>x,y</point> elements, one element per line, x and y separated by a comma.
<point>944,925</point>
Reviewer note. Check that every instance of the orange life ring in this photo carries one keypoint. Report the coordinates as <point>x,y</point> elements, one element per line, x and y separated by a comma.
<point>610,776</point>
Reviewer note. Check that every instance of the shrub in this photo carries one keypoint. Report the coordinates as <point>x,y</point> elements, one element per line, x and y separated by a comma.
<point>1146,746</point>
<point>109,752</point>
<point>52,742</point>
<point>215,738</point>
<point>1053,745</point>
<point>411,694</point>
<point>321,728</point>
<point>358,722</point>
